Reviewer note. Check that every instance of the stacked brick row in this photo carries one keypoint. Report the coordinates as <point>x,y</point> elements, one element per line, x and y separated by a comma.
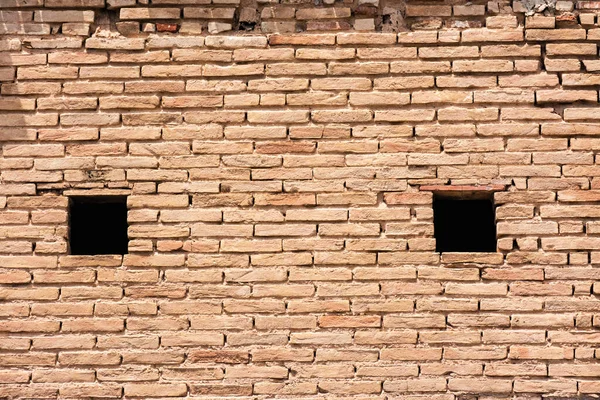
<point>131,18</point>
<point>280,215</point>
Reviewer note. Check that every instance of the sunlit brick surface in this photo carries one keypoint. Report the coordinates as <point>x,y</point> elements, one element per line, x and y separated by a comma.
<point>280,189</point>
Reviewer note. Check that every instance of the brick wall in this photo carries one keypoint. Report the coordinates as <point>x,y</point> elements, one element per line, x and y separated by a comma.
<point>280,206</point>
<point>193,17</point>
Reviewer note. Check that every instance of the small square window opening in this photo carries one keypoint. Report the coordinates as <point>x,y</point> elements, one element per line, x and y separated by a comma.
<point>464,224</point>
<point>98,225</point>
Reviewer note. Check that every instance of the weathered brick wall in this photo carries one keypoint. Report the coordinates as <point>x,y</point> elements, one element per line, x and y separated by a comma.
<point>280,209</point>
<point>193,17</point>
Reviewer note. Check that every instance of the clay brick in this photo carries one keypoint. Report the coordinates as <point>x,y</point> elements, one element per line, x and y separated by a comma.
<point>555,49</point>
<point>551,34</point>
<point>232,42</point>
<point>566,96</point>
<point>63,16</point>
<point>492,35</point>
<point>294,306</point>
<point>235,70</point>
<point>164,389</point>
<point>482,66</point>
<point>365,38</point>
<point>341,83</point>
<point>149,13</point>
<point>115,43</point>
<point>479,385</point>
<point>356,387</point>
<point>76,57</point>
<point>222,389</point>
<point>345,355</point>
<point>411,354</point>
<point>323,13</point>
<point>23,326</point>
<point>229,356</point>
<point>31,359</point>
<point>281,84</point>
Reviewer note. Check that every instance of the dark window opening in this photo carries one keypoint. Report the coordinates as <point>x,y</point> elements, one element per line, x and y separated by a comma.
<point>464,225</point>
<point>98,225</point>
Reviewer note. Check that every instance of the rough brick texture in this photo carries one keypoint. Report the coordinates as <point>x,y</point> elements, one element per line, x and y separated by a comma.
<point>280,192</point>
